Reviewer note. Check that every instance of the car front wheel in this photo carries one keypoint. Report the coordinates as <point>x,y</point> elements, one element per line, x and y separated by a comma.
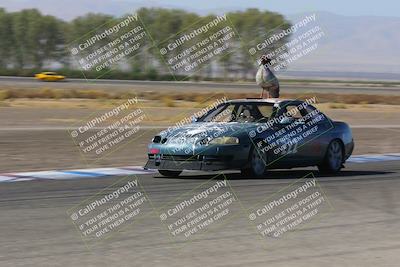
<point>258,164</point>
<point>168,173</point>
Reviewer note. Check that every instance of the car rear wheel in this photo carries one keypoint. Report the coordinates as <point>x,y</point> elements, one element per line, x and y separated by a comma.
<point>333,160</point>
<point>258,164</point>
<point>168,173</point>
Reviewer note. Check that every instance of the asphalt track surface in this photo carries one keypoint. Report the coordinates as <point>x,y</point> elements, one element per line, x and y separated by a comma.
<point>362,229</point>
<point>27,82</point>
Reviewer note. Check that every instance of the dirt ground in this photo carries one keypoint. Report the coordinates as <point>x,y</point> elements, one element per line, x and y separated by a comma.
<point>35,136</point>
<point>64,113</point>
<point>23,150</point>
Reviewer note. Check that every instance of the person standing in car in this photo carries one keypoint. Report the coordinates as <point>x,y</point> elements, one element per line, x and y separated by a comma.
<point>266,79</point>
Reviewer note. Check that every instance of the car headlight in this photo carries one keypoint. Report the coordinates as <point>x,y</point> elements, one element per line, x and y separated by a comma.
<point>224,140</point>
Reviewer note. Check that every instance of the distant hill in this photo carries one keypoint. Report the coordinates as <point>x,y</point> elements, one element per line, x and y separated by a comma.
<point>356,44</point>
<point>360,44</point>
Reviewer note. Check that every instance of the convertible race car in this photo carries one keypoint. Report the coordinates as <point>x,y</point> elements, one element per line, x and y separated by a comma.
<point>253,135</point>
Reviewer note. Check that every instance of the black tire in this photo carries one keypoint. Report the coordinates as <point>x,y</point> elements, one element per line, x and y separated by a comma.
<point>257,162</point>
<point>168,173</point>
<point>333,160</point>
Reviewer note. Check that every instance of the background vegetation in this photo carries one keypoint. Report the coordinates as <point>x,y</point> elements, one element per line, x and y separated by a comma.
<point>31,42</point>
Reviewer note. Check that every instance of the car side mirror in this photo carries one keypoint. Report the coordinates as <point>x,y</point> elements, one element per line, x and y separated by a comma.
<point>286,120</point>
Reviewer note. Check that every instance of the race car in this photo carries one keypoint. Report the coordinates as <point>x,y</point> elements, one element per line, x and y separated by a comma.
<point>49,76</point>
<point>253,136</point>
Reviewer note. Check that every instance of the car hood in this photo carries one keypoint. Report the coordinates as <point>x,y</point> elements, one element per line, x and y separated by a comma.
<point>202,130</point>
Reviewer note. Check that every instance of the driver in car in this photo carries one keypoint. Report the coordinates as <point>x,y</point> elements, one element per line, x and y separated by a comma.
<point>249,113</point>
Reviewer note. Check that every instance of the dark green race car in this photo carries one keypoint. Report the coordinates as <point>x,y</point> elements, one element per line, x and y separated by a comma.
<point>253,135</point>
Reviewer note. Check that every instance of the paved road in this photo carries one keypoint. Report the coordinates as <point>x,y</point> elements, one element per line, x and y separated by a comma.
<point>26,82</point>
<point>361,229</point>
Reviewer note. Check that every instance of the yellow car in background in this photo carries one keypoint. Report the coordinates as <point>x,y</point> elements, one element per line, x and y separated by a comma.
<point>49,76</point>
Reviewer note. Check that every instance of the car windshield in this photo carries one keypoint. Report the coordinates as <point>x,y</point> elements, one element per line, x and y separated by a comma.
<point>240,112</point>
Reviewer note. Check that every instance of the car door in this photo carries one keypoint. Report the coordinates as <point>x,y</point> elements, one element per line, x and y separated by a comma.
<point>318,127</point>
<point>306,132</point>
<point>289,149</point>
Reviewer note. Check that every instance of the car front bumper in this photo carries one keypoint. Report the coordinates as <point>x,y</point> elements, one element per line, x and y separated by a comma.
<point>223,158</point>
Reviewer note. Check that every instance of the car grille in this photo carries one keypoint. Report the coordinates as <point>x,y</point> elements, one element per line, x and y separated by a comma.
<point>178,157</point>
<point>192,157</point>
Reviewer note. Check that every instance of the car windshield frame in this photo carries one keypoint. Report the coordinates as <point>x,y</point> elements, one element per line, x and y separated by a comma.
<point>258,118</point>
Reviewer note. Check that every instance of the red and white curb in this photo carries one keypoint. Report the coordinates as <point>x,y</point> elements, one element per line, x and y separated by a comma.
<point>130,170</point>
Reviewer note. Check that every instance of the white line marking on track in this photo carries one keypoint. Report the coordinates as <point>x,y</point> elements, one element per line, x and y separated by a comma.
<point>73,174</point>
<point>374,158</point>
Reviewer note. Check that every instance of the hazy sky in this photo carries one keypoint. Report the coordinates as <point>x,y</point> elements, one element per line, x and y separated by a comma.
<point>343,7</point>
<point>68,9</point>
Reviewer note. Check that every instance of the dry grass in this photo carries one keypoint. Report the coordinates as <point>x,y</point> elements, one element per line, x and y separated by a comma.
<point>337,106</point>
<point>170,99</point>
<point>48,93</point>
